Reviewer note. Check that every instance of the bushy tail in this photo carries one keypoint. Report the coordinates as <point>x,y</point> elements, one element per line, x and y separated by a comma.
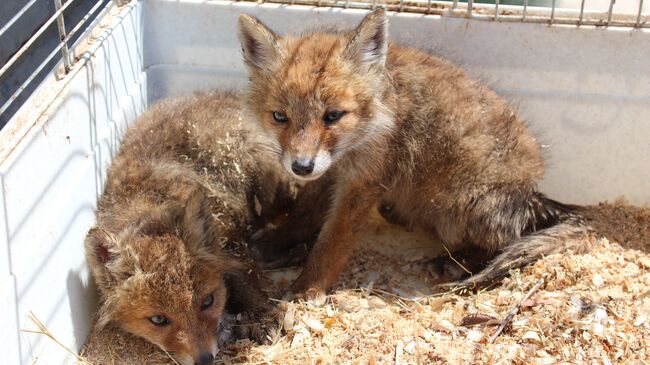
<point>552,228</point>
<point>541,212</point>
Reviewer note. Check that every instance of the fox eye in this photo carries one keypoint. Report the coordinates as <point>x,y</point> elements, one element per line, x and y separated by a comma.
<point>280,117</point>
<point>332,117</point>
<point>207,301</point>
<point>159,320</point>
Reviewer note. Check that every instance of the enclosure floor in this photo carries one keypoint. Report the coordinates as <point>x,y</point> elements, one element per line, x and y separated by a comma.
<point>592,308</point>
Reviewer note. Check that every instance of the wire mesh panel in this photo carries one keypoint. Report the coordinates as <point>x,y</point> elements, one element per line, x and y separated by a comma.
<point>627,13</point>
<point>35,35</point>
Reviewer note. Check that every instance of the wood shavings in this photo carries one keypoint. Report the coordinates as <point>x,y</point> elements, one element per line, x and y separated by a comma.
<point>593,308</point>
<point>513,312</point>
<point>477,319</point>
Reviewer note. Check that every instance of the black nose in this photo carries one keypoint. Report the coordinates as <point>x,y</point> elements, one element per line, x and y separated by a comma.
<point>205,358</point>
<point>302,167</point>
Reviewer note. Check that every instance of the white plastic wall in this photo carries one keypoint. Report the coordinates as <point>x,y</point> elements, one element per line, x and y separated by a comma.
<point>584,91</point>
<point>52,170</point>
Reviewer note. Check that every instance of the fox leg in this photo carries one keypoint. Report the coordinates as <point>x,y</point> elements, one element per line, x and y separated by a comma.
<point>350,209</point>
<point>515,226</point>
<point>251,304</point>
<point>289,243</point>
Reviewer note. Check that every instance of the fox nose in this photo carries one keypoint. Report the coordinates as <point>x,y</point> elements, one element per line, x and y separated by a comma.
<point>205,358</point>
<point>302,167</point>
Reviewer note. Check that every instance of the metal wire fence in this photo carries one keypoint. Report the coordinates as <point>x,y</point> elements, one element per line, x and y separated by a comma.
<point>628,13</point>
<point>21,72</point>
<point>35,38</point>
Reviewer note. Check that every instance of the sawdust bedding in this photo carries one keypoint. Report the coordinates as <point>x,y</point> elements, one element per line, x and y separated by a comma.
<point>591,308</point>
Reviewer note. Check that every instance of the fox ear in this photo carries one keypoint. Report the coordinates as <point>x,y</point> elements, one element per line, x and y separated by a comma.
<point>259,44</point>
<point>368,43</point>
<point>103,256</point>
<point>100,246</point>
<point>198,226</point>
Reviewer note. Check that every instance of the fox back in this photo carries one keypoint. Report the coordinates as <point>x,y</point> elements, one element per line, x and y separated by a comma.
<point>402,128</point>
<point>177,207</point>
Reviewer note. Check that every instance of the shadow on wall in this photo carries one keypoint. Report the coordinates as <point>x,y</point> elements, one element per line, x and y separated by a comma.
<point>83,299</point>
<point>49,185</point>
<point>106,112</point>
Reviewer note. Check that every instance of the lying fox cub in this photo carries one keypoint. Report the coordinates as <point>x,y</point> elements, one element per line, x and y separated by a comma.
<point>403,128</point>
<point>184,192</point>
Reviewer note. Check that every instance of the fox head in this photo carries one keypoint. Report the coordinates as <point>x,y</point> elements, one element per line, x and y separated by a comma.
<point>164,285</point>
<point>319,95</point>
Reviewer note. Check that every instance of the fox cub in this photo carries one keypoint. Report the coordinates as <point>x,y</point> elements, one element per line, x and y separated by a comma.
<point>183,194</point>
<point>407,130</point>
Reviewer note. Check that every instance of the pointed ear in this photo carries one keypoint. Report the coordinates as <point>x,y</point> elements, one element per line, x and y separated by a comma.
<point>198,226</point>
<point>368,43</point>
<point>100,246</point>
<point>259,44</point>
<point>102,252</point>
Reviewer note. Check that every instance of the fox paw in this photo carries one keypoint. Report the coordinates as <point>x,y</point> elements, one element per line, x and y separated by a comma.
<point>446,269</point>
<point>260,328</point>
<point>313,296</point>
<point>459,287</point>
<point>225,330</point>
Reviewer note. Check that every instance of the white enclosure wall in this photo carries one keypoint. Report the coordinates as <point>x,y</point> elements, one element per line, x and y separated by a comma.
<point>52,169</point>
<point>584,91</point>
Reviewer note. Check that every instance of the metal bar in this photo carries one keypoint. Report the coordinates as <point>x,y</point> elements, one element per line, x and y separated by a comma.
<point>56,50</point>
<point>31,40</point>
<point>84,58</point>
<point>558,15</point>
<point>638,17</point>
<point>523,13</point>
<point>611,10</point>
<point>401,5</point>
<point>571,21</point>
<point>429,7</point>
<point>374,4</point>
<point>455,5</point>
<point>470,5</point>
<point>60,22</point>
<point>552,11</point>
<point>582,11</point>
<point>16,17</point>
<point>496,10</point>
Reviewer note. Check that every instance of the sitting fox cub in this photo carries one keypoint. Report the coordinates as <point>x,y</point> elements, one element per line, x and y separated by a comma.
<point>189,181</point>
<point>400,127</point>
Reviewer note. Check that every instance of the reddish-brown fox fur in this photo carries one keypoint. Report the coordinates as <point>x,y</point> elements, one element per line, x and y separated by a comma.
<point>188,181</point>
<point>400,127</point>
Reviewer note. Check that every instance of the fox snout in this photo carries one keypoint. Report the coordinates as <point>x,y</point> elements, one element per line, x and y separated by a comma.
<point>204,358</point>
<point>302,166</point>
<point>306,167</point>
<point>192,355</point>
